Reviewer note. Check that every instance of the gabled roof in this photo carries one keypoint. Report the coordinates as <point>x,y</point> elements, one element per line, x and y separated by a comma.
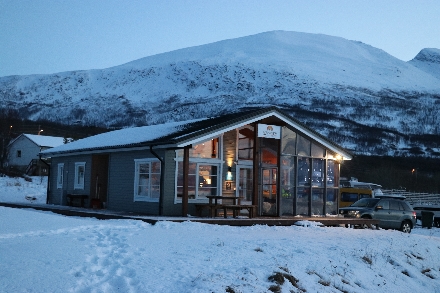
<point>42,140</point>
<point>184,133</point>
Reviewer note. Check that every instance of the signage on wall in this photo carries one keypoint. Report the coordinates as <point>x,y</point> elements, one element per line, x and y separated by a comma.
<point>269,131</point>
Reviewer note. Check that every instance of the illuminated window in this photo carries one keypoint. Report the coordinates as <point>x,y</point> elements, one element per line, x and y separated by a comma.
<point>246,143</point>
<point>206,149</point>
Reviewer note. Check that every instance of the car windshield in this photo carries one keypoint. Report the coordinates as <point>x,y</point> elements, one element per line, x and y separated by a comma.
<point>366,202</point>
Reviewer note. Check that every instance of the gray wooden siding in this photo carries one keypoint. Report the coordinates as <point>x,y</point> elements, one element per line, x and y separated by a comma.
<point>169,207</point>
<point>121,183</point>
<point>54,195</point>
<point>58,196</point>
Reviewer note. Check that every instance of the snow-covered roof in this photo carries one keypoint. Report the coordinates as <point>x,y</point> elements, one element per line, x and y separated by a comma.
<point>42,140</point>
<point>46,141</point>
<point>121,138</point>
<point>184,133</point>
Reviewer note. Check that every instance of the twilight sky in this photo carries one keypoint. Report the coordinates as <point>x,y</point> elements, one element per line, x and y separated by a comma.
<point>49,36</point>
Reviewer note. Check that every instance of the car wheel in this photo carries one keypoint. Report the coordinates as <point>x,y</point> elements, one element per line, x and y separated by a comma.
<point>406,227</point>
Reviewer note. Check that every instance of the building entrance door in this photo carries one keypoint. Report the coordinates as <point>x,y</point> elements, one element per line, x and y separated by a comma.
<point>268,181</point>
<point>269,191</point>
<point>245,179</point>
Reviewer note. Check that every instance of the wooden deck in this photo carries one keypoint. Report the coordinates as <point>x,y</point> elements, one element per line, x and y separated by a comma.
<point>241,221</point>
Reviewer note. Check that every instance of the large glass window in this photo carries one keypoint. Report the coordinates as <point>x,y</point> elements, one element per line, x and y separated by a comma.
<point>332,174</point>
<point>287,185</point>
<point>317,201</point>
<point>80,169</point>
<point>60,175</point>
<point>207,149</point>
<point>303,171</point>
<point>317,151</point>
<point>208,180</point>
<point>287,176</point>
<point>331,205</point>
<point>246,143</point>
<point>147,180</point>
<point>303,146</point>
<point>288,142</point>
<point>318,173</point>
<point>203,179</point>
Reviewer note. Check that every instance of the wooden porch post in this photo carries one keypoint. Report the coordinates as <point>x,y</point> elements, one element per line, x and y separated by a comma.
<point>185,181</point>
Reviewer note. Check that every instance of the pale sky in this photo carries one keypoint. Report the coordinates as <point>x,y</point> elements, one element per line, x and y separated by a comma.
<point>49,36</point>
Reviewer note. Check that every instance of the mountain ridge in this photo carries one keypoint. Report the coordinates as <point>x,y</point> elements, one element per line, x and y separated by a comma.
<point>345,88</point>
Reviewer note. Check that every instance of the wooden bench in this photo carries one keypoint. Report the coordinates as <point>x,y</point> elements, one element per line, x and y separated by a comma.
<point>212,208</point>
<point>237,208</point>
<point>214,205</point>
<point>72,197</point>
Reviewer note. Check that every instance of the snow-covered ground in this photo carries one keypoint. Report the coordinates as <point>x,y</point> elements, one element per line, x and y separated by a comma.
<point>45,252</point>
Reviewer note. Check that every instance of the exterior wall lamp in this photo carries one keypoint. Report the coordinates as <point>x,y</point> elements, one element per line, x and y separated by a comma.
<point>229,173</point>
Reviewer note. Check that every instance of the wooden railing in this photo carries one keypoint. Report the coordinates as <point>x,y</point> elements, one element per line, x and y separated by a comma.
<point>415,197</point>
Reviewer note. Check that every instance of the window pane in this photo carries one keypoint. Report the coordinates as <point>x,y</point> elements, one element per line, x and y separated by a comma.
<point>155,179</point>
<point>143,190</point>
<point>207,180</point>
<point>144,168</point>
<point>143,179</point>
<point>302,201</point>
<point>331,204</point>
<point>318,201</point>
<point>331,182</point>
<point>288,142</point>
<point>155,191</point>
<point>318,173</point>
<point>155,167</point>
<point>287,175</point>
<point>207,149</point>
<point>303,145</point>
<point>245,143</point>
<point>317,151</point>
<point>303,171</point>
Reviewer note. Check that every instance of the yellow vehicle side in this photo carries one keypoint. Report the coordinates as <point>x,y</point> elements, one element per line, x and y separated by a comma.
<point>349,195</point>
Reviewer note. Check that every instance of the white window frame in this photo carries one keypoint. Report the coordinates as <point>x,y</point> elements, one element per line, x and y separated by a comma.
<point>146,198</point>
<point>218,162</point>
<point>79,181</point>
<point>60,176</point>
<point>211,162</point>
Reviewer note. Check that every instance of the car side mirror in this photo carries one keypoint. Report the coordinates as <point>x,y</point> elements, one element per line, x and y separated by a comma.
<point>379,208</point>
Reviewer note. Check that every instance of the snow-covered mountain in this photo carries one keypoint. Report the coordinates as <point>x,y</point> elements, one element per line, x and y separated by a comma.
<point>357,95</point>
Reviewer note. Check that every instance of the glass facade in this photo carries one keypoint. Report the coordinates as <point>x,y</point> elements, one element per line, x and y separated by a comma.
<point>308,177</point>
<point>296,175</point>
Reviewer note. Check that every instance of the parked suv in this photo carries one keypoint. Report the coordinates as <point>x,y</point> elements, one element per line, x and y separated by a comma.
<point>392,213</point>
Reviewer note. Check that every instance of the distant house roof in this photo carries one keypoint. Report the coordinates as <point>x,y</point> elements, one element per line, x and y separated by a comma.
<point>184,133</point>
<point>42,140</point>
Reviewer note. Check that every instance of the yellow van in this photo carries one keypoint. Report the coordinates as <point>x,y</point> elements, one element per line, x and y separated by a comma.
<point>349,195</point>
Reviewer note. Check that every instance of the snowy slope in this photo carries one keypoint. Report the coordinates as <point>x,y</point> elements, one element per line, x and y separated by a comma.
<point>428,60</point>
<point>344,89</point>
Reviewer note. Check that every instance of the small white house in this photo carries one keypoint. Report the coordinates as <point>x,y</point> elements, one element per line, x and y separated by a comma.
<point>23,152</point>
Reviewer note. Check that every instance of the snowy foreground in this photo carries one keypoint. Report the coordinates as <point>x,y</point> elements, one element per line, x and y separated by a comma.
<point>45,252</point>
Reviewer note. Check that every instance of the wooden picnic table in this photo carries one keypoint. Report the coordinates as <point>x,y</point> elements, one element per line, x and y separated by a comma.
<point>214,205</point>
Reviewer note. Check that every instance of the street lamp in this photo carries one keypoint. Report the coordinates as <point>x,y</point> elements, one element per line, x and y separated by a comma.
<point>39,131</point>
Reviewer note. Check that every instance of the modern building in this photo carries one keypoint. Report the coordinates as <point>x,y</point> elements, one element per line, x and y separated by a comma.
<point>263,156</point>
